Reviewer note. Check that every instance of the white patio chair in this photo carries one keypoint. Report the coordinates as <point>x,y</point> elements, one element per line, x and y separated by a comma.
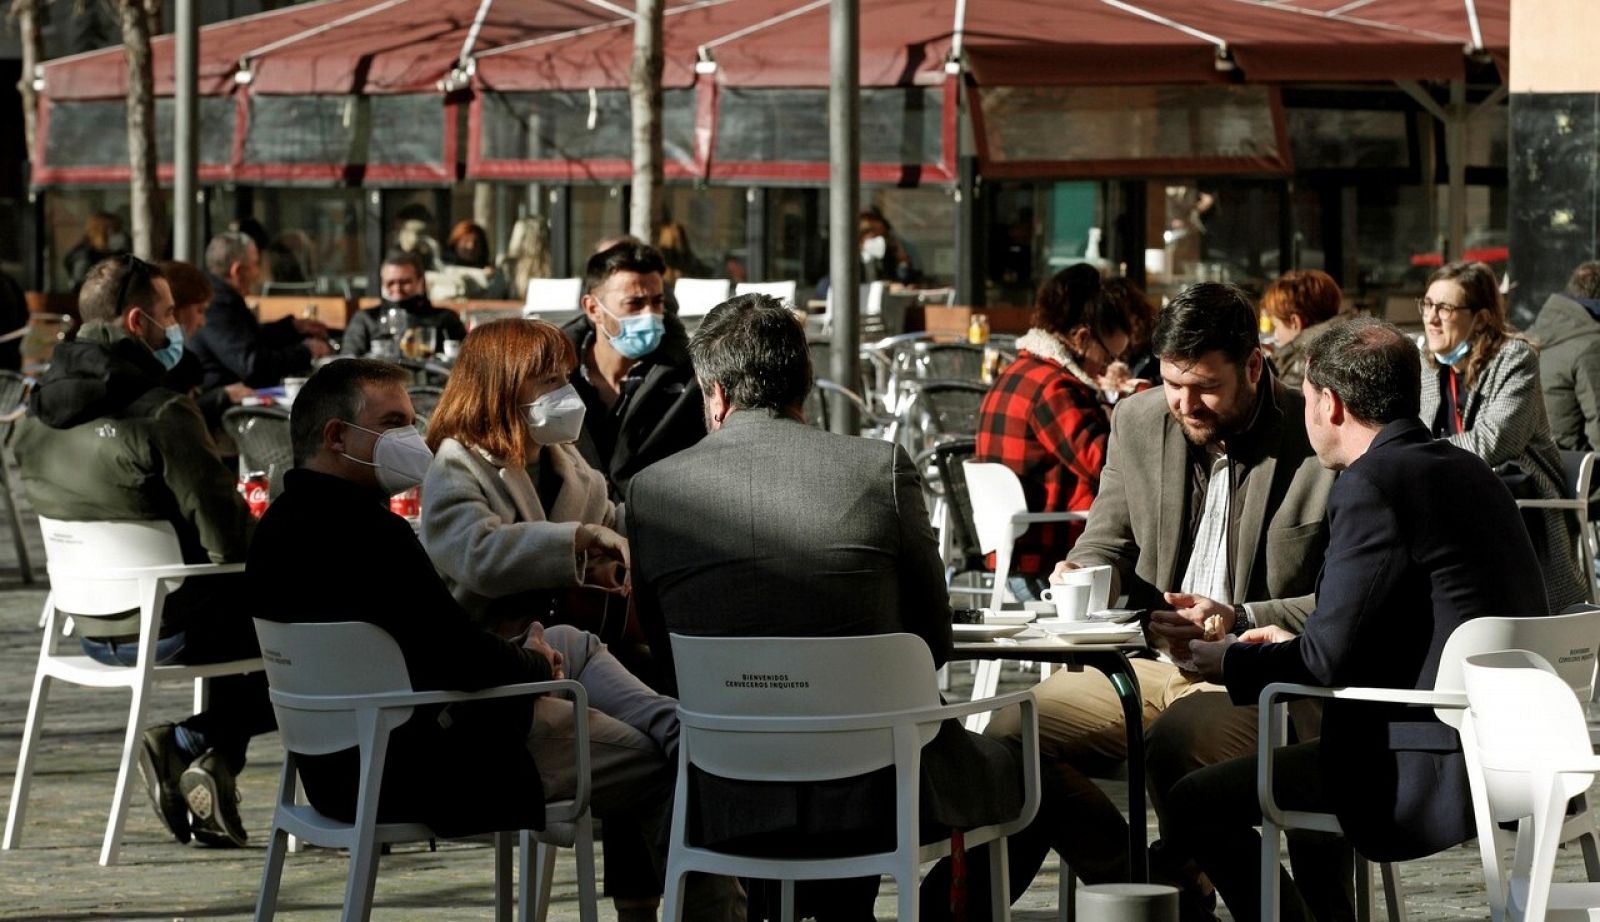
<point>101,570</point>
<point>799,709</point>
<point>1568,638</point>
<point>344,685</point>
<point>1528,754</point>
<point>783,291</point>
<point>1580,474</point>
<point>696,297</point>
<point>551,296</point>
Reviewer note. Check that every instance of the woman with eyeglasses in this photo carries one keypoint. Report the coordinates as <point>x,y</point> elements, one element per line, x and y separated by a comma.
<point>1480,390</point>
<point>512,515</point>
<point>1049,413</point>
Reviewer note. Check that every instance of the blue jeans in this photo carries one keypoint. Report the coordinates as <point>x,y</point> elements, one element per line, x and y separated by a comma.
<point>112,653</point>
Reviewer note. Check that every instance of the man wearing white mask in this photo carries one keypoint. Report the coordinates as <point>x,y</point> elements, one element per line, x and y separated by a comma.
<point>481,767</point>
<point>633,370</point>
<point>106,440</point>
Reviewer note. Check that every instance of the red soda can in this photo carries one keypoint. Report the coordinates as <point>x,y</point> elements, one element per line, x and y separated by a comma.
<point>257,490</point>
<point>407,504</point>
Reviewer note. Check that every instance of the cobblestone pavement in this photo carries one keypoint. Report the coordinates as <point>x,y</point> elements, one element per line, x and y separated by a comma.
<point>53,876</point>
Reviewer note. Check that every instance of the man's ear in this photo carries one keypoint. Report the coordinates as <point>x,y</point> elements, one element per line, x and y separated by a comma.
<point>1336,410</point>
<point>333,436</point>
<point>130,321</point>
<point>1253,365</point>
<point>591,307</point>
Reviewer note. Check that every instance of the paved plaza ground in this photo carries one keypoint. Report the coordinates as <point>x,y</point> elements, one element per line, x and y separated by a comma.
<point>53,876</point>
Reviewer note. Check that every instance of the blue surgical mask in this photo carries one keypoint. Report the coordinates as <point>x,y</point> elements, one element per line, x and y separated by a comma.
<point>169,354</point>
<point>1454,355</point>
<point>638,334</point>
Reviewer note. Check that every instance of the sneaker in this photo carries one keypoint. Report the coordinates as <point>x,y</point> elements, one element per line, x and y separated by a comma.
<point>161,764</point>
<point>213,798</point>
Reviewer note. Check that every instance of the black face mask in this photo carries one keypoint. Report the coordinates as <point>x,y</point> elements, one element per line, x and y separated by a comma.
<point>410,305</point>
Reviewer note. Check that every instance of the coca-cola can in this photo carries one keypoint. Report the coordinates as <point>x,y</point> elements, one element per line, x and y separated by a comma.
<point>256,488</point>
<point>407,504</point>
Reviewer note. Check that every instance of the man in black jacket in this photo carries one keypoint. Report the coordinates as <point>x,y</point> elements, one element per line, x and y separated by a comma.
<point>489,766</point>
<point>106,440</point>
<point>638,387</point>
<point>233,345</point>
<point>1422,538</point>
<point>403,284</point>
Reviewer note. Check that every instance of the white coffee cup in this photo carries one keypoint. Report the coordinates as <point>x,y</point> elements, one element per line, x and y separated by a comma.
<point>1071,593</point>
<point>291,387</point>
<point>450,349</point>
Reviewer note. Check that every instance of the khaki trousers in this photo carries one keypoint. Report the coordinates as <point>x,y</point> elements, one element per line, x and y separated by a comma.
<point>1187,724</point>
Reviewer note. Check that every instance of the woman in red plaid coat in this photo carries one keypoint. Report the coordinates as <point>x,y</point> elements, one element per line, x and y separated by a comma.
<point>1047,416</point>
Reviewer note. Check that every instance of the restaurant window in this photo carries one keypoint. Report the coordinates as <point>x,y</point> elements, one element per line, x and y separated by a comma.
<point>579,126</point>
<point>715,219</point>
<point>317,235</point>
<point>899,125</point>
<point>78,135</point>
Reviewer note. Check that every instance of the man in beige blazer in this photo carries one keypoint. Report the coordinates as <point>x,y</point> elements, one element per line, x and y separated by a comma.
<point>1211,502</point>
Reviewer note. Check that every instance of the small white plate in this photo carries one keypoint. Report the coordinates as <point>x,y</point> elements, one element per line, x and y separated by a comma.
<point>970,632</point>
<point>1009,617</point>
<point>1090,631</point>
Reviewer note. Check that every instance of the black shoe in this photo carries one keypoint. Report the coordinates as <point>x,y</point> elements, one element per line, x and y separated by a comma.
<point>161,764</point>
<point>213,798</point>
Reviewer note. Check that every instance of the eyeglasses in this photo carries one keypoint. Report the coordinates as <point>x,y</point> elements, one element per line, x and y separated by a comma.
<point>136,266</point>
<point>1110,356</point>
<point>1445,311</point>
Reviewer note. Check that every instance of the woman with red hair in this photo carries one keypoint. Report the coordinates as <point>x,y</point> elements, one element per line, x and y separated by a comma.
<point>1301,304</point>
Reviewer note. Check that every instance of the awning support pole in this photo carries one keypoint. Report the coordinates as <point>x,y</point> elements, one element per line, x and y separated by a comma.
<point>844,202</point>
<point>1455,147</point>
<point>186,133</point>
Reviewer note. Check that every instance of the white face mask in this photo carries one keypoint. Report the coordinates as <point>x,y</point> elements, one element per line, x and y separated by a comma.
<point>400,455</point>
<point>874,247</point>
<point>556,417</point>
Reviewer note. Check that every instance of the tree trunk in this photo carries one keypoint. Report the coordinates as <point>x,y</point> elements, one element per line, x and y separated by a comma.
<point>144,192</point>
<point>644,92</point>
<point>26,13</point>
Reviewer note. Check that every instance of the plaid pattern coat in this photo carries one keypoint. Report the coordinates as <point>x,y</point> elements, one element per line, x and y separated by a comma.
<point>1050,427</point>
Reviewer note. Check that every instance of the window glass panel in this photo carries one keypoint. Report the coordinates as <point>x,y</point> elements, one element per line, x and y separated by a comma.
<point>407,129</point>
<point>304,129</point>
<point>93,133</point>
<point>570,125</point>
<point>1331,139</point>
<point>1087,124</point>
<point>901,125</point>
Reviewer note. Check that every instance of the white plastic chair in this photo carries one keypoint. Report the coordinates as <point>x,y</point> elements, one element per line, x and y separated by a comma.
<point>1579,507</point>
<point>1570,639</point>
<point>696,297</point>
<point>800,709</point>
<point>101,569</point>
<point>344,685</point>
<point>1000,515</point>
<point>1528,752</point>
<point>783,291</point>
<point>551,296</point>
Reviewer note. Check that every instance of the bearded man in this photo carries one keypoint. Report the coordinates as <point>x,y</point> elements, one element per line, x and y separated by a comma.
<point>1211,505</point>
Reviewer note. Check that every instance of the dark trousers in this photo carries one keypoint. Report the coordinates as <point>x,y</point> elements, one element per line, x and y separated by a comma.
<point>213,617</point>
<point>1212,816</point>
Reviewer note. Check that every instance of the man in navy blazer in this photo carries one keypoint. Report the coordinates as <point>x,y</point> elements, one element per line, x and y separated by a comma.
<point>1422,537</point>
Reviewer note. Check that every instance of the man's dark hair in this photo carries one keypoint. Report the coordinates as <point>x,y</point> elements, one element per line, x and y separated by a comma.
<point>1205,318</point>
<point>335,392</point>
<point>116,284</point>
<point>1373,367</point>
<point>628,256</point>
<point>405,258</point>
<point>1585,281</point>
<point>755,347</point>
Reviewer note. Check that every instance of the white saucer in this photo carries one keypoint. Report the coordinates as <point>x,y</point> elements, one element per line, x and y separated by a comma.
<point>971,632</point>
<point>1090,631</point>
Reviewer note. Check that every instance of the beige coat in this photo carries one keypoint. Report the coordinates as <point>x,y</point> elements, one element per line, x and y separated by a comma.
<point>488,535</point>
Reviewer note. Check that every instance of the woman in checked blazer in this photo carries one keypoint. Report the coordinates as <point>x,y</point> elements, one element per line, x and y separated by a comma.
<point>1480,390</point>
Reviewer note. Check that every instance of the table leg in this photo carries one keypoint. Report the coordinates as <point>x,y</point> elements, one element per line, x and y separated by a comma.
<point>1116,668</point>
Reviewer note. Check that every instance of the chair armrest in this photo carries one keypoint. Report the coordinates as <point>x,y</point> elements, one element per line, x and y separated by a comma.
<point>876,721</point>
<point>394,700</point>
<point>1409,696</point>
<point>164,571</point>
<point>1025,517</point>
<point>1569,504</point>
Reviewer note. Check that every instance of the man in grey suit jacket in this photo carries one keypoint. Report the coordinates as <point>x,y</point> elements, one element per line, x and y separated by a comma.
<point>769,527</point>
<point>1211,503</point>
